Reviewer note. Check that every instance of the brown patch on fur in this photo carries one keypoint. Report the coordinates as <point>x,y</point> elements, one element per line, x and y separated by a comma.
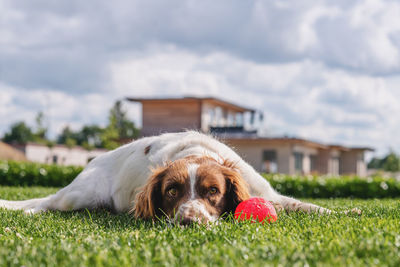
<point>148,201</point>
<point>238,187</point>
<point>177,177</point>
<point>154,199</point>
<point>210,175</point>
<point>147,149</point>
<point>151,201</point>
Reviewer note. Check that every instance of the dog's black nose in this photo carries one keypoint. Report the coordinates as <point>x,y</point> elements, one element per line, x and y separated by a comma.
<point>186,221</point>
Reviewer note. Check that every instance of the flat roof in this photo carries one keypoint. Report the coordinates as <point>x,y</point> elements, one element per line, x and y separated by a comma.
<point>279,140</point>
<point>362,148</point>
<point>295,141</point>
<point>339,147</point>
<point>213,100</point>
<point>348,148</point>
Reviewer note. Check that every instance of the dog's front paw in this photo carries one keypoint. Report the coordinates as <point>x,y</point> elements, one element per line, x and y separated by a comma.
<point>278,207</point>
<point>355,211</point>
<point>33,211</point>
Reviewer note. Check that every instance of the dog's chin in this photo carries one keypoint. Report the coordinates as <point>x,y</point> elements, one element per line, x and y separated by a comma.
<point>194,212</point>
<point>196,222</point>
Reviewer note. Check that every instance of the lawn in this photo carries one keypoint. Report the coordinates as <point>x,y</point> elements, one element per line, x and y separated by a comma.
<point>87,238</point>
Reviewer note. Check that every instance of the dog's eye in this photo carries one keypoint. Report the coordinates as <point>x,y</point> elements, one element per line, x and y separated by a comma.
<point>172,192</point>
<point>212,190</point>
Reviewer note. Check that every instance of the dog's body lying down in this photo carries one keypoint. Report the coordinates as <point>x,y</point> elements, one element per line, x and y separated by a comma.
<point>185,176</point>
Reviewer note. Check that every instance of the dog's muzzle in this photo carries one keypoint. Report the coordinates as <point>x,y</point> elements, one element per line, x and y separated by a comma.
<point>193,211</point>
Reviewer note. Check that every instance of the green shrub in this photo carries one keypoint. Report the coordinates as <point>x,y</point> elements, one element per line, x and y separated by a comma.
<point>342,186</point>
<point>27,174</point>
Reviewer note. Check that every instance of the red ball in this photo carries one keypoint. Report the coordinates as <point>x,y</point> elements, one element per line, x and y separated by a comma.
<point>256,209</point>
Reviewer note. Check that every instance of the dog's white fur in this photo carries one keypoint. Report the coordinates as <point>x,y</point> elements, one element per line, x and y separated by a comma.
<point>114,178</point>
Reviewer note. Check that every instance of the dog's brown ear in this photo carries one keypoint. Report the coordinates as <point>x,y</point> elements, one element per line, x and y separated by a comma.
<point>148,202</point>
<point>238,189</point>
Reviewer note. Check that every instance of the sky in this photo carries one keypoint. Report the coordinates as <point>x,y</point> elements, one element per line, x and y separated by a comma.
<point>328,71</point>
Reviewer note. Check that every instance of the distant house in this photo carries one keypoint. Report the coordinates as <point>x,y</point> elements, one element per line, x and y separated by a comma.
<point>58,154</point>
<point>235,125</point>
<point>178,114</point>
<point>299,156</point>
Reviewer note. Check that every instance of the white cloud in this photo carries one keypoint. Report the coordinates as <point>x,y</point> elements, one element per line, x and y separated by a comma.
<point>303,98</point>
<point>326,70</point>
<point>60,108</point>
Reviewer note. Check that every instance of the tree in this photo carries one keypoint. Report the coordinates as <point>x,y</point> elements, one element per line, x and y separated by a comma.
<point>119,127</point>
<point>68,137</point>
<point>19,133</point>
<point>91,136</point>
<point>118,119</point>
<point>109,138</point>
<point>117,131</point>
<point>390,163</point>
<point>375,163</point>
<point>41,130</point>
<point>69,142</point>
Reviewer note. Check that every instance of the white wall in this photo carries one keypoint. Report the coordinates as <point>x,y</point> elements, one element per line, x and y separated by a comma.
<point>252,152</point>
<point>307,153</point>
<point>61,155</point>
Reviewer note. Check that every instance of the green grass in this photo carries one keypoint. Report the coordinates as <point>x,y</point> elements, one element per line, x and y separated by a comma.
<point>101,238</point>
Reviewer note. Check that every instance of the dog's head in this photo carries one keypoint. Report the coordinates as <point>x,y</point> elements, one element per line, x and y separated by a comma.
<point>194,189</point>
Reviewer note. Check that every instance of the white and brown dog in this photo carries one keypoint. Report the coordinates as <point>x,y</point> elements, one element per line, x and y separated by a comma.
<point>188,177</point>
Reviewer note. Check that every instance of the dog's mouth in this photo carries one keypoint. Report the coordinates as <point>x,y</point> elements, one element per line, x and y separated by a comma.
<point>192,212</point>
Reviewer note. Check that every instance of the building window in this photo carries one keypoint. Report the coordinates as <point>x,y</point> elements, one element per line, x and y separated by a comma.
<point>239,119</point>
<point>230,119</point>
<point>313,163</point>
<point>211,116</point>
<point>55,159</point>
<point>298,162</point>
<point>218,117</point>
<point>335,161</point>
<point>269,163</point>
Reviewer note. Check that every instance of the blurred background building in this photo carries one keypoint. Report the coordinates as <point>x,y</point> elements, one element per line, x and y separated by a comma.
<point>237,126</point>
